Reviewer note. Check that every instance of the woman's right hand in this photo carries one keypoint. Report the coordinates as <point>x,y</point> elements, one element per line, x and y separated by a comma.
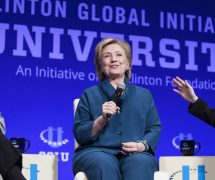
<point>109,108</point>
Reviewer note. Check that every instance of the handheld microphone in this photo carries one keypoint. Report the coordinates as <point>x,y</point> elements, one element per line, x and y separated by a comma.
<point>116,97</point>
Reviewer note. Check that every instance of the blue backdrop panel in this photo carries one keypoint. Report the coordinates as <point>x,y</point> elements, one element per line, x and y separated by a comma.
<point>46,61</point>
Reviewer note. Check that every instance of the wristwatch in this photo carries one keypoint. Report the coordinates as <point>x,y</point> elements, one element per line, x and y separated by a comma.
<point>145,144</point>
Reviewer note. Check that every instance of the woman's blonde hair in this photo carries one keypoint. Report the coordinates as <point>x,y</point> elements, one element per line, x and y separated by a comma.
<point>98,54</point>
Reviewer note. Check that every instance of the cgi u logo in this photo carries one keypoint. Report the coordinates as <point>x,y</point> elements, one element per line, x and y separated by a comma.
<point>53,137</point>
<point>33,172</point>
<point>186,172</point>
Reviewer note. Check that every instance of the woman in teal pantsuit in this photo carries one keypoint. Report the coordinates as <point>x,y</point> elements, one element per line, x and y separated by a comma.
<point>117,141</point>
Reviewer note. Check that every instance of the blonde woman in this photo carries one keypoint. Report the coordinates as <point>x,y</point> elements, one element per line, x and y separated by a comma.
<point>117,138</point>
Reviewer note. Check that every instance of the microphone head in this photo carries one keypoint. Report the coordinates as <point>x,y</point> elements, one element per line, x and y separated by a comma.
<point>2,125</point>
<point>121,86</point>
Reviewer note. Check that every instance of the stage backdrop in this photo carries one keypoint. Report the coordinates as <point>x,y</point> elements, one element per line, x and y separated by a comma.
<point>46,61</point>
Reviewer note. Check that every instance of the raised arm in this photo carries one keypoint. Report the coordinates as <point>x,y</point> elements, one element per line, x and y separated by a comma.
<point>184,89</point>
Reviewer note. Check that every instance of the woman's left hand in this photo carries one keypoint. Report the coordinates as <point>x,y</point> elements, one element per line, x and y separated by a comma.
<point>133,147</point>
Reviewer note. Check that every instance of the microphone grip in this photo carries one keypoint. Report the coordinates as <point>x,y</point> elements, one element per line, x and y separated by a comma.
<point>116,97</point>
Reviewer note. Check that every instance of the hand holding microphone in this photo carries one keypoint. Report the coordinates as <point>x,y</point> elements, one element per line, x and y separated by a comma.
<point>111,107</point>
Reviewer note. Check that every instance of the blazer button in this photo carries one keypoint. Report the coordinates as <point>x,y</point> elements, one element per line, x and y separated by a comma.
<point>119,132</point>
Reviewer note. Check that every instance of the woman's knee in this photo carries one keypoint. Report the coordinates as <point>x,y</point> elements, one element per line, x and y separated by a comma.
<point>145,166</point>
<point>99,161</point>
<point>141,161</point>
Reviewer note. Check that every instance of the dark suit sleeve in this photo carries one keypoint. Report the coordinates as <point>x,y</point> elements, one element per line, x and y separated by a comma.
<point>9,156</point>
<point>201,110</point>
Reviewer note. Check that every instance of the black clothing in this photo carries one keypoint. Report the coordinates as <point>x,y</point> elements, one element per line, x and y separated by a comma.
<point>201,110</point>
<point>10,160</point>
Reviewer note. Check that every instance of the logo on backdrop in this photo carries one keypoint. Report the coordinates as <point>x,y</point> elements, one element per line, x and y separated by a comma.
<point>53,137</point>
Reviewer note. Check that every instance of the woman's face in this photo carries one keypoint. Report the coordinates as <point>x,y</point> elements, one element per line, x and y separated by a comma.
<point>114,62</point>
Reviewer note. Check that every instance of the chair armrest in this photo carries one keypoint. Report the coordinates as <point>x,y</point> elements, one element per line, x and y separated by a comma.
<point>80,176</point>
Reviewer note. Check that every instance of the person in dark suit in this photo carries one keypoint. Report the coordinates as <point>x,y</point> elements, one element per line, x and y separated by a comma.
<point>197,107</point>
<point>117,139</point>
<point>10,159</point>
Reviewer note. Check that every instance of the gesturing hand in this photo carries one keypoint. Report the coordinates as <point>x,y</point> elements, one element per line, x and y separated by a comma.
<point>184,89</point>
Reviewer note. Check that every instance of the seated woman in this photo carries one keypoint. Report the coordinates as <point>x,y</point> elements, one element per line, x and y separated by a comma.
<point>10,159</point>
<point>117,136</point>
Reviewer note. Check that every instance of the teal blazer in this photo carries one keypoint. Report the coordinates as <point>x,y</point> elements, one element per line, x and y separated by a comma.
<point>138,120</point>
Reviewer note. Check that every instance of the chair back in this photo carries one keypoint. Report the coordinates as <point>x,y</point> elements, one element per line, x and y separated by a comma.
<point>79,175</point>
<point>75,104</point>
